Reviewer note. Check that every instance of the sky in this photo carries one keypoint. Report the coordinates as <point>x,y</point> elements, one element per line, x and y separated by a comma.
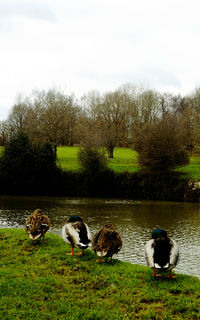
<point>77,46</point>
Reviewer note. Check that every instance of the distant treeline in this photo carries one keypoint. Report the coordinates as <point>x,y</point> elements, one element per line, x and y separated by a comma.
<point>111,119</point>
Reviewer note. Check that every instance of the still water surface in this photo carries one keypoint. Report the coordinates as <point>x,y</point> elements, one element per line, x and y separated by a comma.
<point>134,220</point>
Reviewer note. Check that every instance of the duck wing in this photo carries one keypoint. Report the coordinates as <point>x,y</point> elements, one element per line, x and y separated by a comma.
<point>84,234</point>
<point>114,243</point>
<point>174,253</point>
<point>149,253</point>
<point>70,234</point>
<point>106,242</point>
<point>77,233</point>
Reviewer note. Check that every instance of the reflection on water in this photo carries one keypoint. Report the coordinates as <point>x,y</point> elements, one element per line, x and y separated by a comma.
<point>134,220</point>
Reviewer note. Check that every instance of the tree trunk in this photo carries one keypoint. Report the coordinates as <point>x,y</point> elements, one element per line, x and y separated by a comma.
<point>110,152</point>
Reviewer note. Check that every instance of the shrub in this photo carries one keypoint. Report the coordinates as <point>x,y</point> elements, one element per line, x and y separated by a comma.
<point>160,145</point>
<point>27,168</point>
<point>92,160</point>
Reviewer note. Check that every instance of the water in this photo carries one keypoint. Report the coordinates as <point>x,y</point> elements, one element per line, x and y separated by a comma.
<point>134,220</point>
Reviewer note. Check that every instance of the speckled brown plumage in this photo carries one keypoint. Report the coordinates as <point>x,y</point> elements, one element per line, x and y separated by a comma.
<point>107,241</point>
<point>37,224</point>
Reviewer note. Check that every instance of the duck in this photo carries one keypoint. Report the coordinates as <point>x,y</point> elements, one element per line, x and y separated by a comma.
<point>77,234</point>
<point>106,242</point>
<point>161,252</point>
<point>37,224</point>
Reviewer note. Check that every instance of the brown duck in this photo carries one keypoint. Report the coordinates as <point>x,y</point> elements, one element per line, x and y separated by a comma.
<point>106,242</point>
<point>37,224</point>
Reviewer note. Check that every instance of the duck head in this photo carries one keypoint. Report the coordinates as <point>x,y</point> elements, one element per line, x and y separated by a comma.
<point>75,218</point>
<point>158,234</point>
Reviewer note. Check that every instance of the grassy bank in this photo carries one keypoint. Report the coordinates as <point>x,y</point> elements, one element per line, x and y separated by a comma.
<point>38,281</point>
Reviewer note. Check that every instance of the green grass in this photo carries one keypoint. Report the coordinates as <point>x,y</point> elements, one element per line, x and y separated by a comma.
<point>193,168</point>
<point>125,159</point>
<point>38,281</point>
<point>67,158</point>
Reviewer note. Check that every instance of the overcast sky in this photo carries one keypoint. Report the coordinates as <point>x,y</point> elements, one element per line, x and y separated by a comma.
<point>80,45</point>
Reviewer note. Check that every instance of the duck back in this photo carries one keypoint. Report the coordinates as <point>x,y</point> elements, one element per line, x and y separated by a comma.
<point>107,241</point>
<point>83,232</point>
<point>162,249</point>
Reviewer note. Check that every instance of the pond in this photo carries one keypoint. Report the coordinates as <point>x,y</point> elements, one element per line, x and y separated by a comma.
<point>135,221</point>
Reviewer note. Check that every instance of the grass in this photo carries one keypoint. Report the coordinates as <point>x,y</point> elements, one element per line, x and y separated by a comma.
<point>68,158</point>
<point>38,281</point>
<point>125,159</point>
<point>193,168</point>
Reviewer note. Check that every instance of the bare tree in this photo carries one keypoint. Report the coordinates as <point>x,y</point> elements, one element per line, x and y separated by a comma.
<point>112,116</point>
<point>55,115</point>
<point>17,120</point>
<point>88,131</point>
<point>4,132</point>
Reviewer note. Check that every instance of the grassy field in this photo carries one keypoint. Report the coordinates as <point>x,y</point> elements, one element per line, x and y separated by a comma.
<point>38,281</point>
<point>193,168</point>
<point>125,159</point>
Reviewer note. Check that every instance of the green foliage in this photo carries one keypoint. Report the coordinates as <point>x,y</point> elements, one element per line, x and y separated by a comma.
<point>18,151</point>
<point>27,168</point>
<point>38,281</point>
<point>92,160</point>
<point>17,160</point>
<point>45,159</point>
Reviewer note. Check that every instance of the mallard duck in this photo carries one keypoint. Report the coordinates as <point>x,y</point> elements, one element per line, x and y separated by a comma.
<point>37,224</point>
<point>77,233</point>
<point>161,252</point>
<point>106,242</point>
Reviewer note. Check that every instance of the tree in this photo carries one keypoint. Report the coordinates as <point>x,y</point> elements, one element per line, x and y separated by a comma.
<point>56,115</point>
<point>4,132</point>
<point>18,118</point>
<point>17,161</point>
<point>160,146</point>
<point>88,131</point>
<point>27,168</point>
<point>112,118</point>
